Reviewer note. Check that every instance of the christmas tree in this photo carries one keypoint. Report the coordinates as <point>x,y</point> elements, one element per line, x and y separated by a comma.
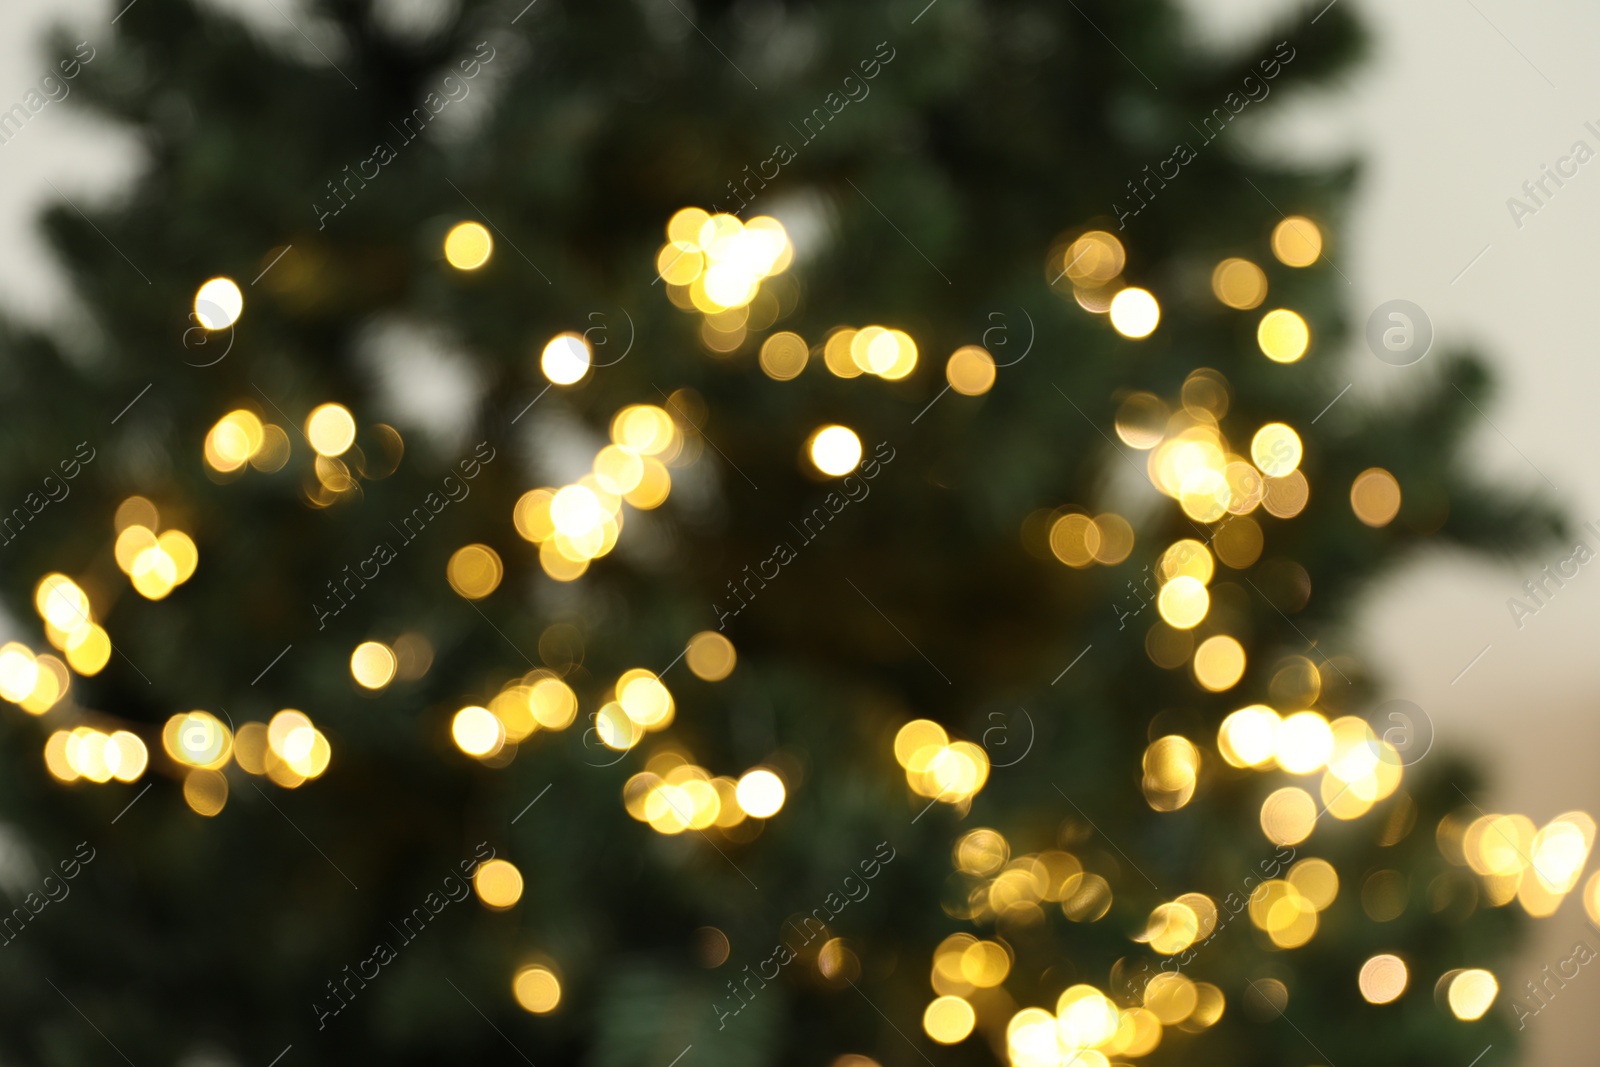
<point>624,534</point>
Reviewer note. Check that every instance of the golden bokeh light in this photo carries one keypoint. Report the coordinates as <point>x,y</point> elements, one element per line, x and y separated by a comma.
<point>982,851</point>
<point>218,303</point>
<point>1375,497</point>
<point>970,370</point>
<point>498,884</point>
<point>1239,283</point>
<point>1183,602</point>
<point>1187,557</point>
<point>205,791</point>
<point>1288,816</point>
<point>372,664</point>
<point>948,1020</point>
<point>234,440</point>
<point>1471,993</point>
<point>1171,997</point>
<point>711,656</point>
<point>467,246</point>
<point>18,671</point>
<point>88,650</point>
<point>784,356</point>
<point>1249,736</point>
<point>1296,241</point>
<point>644,699</point>
<point>1383,979</point>
<point>760,793</point>
<point>1276,450</point>
<point>1283,336</point>
<point>1092,260</point>
<point>537,989</point>
<point>1219,663</point>
<point>566,359</point>
<point>1304,743</point>
<point>1141,420</point>
<point>835,450</point>
<point>1316,880</point>
<point>1286,497</point>
<point>197,739</point>
<point>477,732</point>
<point>331,429</point>
<point>1238,543</point>
<point>1171,771</point>
<point>474,571</point>
<point>1135,313</point>
<point>1074,539</point>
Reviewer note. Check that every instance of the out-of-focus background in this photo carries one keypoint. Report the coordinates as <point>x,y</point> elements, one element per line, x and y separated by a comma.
<point>1461,102</point>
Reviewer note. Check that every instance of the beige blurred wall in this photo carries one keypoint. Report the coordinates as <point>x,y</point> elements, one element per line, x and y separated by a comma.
<point>1462,103</point>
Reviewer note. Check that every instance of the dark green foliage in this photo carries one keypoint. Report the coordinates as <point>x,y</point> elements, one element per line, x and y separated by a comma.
<point>995,128</point>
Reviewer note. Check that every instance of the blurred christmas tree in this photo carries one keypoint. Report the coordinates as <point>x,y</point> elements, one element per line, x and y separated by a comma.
<point>823,738</point>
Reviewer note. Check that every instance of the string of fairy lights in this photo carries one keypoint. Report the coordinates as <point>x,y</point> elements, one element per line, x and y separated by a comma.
<point>734,275</point>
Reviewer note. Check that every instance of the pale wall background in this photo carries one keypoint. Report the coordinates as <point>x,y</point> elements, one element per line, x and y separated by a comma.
<point>1461,103</point>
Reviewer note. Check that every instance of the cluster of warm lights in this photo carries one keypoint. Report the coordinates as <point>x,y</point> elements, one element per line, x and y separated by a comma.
<point>636,705</point>
<point>1516,860</point>
<point>1171,771</point>
<point>936,767</point>
<point>1286,909</point>
<point>1192,464</point>
<point>155,563</point>
<point>1080,541</point>
<point>877,350</point>
<point>1087,1026</point>
<point>538,700</point>
<point>672,795</point>
<point>33,683</point>
<point>1467,992</point>
<point>330,429</point>
<point>582,521</point>
<point>70,626</point>
<point>1013,891</point>
<point>715,264</point>
<point>289,750</point>
<point>87,753</point>
<point>1359,768</point>
<point>240,438</point>
<point>1093,263</point>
